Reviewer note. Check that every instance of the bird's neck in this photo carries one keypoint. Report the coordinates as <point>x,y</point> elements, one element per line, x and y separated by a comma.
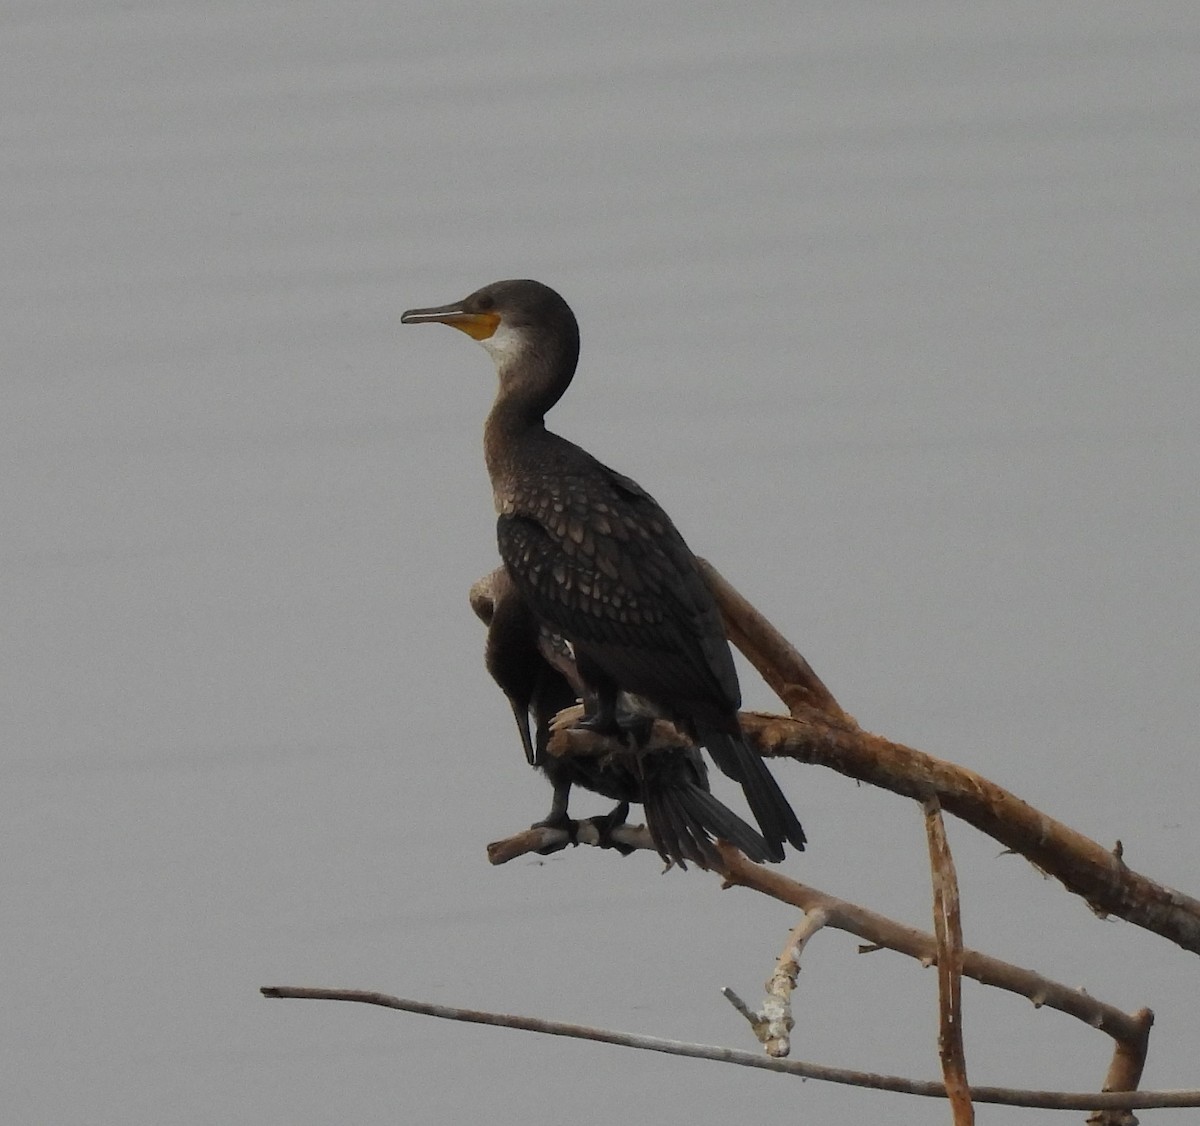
<point>511,423</point>
<point>515,434</point>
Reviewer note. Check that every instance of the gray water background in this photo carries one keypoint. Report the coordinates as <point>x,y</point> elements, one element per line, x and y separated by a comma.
<point>893,306</point>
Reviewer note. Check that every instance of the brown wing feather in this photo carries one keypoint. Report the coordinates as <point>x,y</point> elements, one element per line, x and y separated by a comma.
<point>600,562</point>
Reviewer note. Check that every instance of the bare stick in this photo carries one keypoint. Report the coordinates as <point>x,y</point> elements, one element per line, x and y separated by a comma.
<point>753,1019</point>
<point>1084,867</point>
<point>1097,874</point>
<point>947,928</point>
<point>777,1007</point>
<point>831,737</point>
<point>544,839</point>
<point>878,930</point>
<point>773,1025</point>
<point>883,932</point>
<point>1125,1071</point>
<point>1007,1096</point>
<point>777,661</point>
<point>820,732</point>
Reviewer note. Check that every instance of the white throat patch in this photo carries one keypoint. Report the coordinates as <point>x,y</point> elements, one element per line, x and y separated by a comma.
<point>505,345</point>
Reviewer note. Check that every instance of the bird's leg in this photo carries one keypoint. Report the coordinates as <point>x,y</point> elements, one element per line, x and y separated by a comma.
<point>607,710</point>
<point>599,702</point>
<point>557,818</point>
<point>636,722</point>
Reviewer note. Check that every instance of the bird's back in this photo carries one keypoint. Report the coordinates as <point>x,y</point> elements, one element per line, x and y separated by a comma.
<point>600,562</point>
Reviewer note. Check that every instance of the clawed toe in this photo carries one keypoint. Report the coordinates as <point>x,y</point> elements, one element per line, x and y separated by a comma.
<point>621,726</point>
<point>607,824</point>
<point>558,821</point>
<point>601,724</point>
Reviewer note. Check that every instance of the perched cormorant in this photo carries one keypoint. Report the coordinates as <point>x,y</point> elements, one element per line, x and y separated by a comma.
<point>595,557</point>
<point>534,669</point>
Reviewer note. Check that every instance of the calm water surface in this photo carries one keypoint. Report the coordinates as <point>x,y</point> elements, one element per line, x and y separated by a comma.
<point>892,305</point>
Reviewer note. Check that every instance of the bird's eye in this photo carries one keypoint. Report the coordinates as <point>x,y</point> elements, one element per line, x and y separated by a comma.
<point>485,302</point>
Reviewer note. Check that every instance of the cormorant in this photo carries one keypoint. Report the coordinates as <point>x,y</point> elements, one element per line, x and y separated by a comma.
<point>595,557</point>
<point>534,669</point>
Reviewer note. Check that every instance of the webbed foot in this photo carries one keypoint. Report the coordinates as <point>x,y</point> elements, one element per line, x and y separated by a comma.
<point>602,723</point>
<point>637,725</point>
<point>558,820</point>
<point>620,725</point>
<point>605,825</point>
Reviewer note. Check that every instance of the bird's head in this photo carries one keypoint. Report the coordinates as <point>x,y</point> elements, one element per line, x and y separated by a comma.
<point>524,325</point>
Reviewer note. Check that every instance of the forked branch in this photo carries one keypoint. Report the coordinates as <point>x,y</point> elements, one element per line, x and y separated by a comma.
<point>875,929</point>
<point>820,732</point>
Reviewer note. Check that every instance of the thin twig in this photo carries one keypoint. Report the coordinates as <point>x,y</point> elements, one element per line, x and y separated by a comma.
<point>1007,1096</point>
<point>881,931</point>
<point>947,928</point>
<point>777,1006</point>
<point>753,1019</point>
<point>771,1026</point>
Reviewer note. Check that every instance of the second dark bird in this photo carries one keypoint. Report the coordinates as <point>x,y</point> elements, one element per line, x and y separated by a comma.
<point>535,671</point>
<point>594,556</point>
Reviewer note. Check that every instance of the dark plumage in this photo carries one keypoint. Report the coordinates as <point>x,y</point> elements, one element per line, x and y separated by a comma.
<point>595,557</point>
<point>534,669</point>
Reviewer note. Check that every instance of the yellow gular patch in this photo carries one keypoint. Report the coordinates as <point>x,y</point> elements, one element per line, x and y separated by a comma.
<point>478,326</point>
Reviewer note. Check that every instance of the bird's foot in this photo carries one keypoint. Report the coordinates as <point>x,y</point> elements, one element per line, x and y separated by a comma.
<point>636,725</point>
<point>608,822</point>
<point>619,725</point>
<point>603,723</point>
<point>558,821</point>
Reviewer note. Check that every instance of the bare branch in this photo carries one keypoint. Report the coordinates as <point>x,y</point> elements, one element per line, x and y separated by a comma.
<point>947,929</point>
<point>772,1026</point>
<point>1084,867</point>
<point>1125,1071</point>
<point>877,930</point>
<point>881,931</point>
<point>777,1008</point>
<point>1007,1096</point>
<point>775,659</point>
<point>819,731</point>
<point>540,838</point>
<point>755,1020</point>
<point>830,737</point>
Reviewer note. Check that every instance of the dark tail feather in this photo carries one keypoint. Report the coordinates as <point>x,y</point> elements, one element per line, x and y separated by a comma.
<point>771,810</point>
<point>722,822</point>
<point>684,819</point>
<point>673,836</point>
